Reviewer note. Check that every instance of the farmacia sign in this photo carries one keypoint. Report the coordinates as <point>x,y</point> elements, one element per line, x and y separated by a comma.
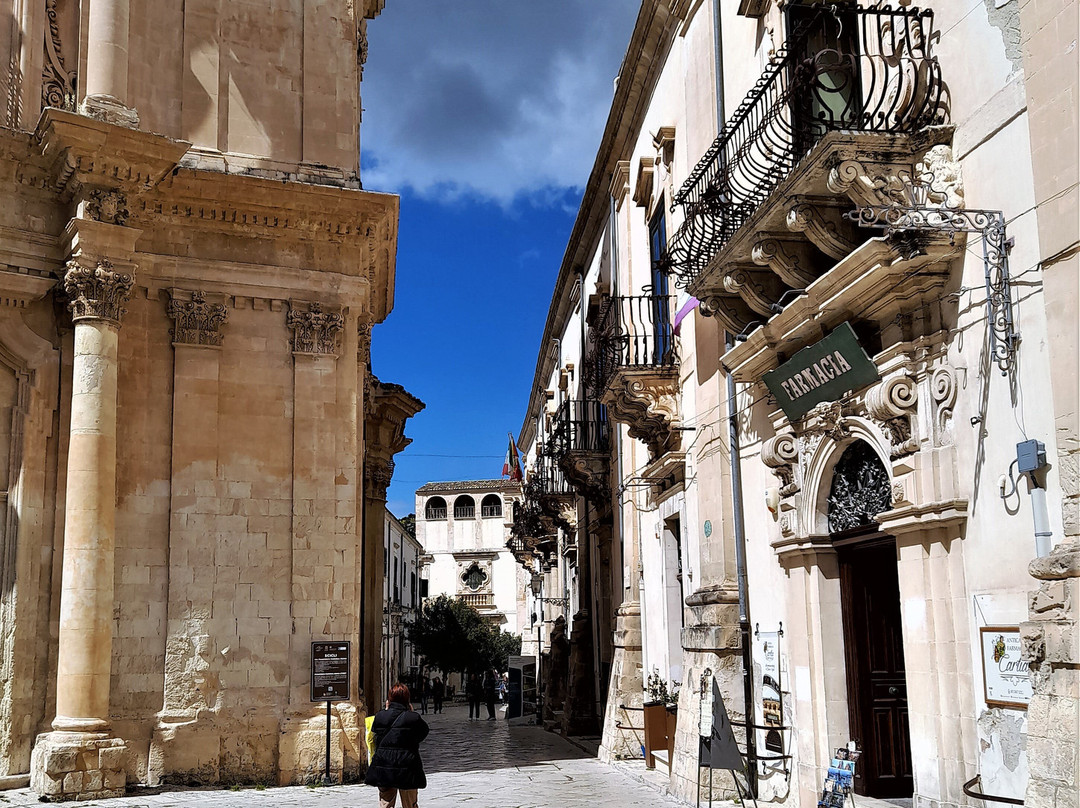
<point>821,372</point>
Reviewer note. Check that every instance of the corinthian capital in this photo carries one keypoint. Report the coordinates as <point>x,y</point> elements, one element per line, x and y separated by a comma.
<point>314,331</point>
<point>197,321</point>
<point>97,291</point>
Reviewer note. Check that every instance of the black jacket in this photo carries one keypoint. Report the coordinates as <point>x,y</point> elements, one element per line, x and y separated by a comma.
<point>396,762</point>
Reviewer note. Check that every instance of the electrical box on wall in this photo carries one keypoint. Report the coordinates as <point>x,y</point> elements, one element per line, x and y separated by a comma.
<point>1030,456</point>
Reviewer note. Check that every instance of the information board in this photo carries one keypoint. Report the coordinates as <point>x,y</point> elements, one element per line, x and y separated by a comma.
<point>1006,675</point>
<point>330,671</point>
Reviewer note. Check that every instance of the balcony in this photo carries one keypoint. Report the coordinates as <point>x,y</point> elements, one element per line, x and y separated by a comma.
<point>478,600</point>
<point>633,365</point>
<point>579,444</point>
<point>845,112</point>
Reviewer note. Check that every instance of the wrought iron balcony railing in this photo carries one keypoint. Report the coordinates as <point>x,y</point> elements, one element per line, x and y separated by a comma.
<point>547,479</point>
<point>844,68</point>
<point>581,425</point>
<point>633,331</point>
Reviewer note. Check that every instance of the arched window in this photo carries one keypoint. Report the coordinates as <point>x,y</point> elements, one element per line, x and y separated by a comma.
<point>464,507</point>
<point>491,505</point>
<point>435,508</point>
<point>860,489</point>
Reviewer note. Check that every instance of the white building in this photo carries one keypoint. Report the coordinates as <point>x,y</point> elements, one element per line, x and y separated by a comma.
<point>401,598</point>
<point>464,526</point>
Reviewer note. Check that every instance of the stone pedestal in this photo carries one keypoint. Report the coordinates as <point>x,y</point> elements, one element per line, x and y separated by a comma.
<point>579,715</point>
<point>78,765</point>
<point>556,672</point>
<point>1051,642</point>
<point>710,641</point>
<point>623,735</point>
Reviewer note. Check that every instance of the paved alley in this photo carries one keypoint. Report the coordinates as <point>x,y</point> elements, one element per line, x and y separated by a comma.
<point>478,764</point>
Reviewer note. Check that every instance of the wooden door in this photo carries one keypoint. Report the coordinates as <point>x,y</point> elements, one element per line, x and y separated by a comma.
<point>874,651</point>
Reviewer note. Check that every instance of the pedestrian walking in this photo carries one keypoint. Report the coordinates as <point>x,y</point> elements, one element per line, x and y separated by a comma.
<point>396,767</point>
<point>489,692</point>
<point>438,691</point>
<point>425,689</point>
<point>474,691</point>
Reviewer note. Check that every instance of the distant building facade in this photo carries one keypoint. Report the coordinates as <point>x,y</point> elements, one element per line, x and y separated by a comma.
<point>463,527</point>
<point>402,590</point>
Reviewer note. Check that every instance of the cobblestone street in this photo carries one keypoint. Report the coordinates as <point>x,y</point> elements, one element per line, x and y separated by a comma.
<point>479,764</point>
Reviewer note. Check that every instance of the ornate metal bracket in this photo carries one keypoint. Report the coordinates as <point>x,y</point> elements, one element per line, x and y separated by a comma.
<point>990,224</point>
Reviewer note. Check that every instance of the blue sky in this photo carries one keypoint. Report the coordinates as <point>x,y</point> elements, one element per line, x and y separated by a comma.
<point>485,115</point>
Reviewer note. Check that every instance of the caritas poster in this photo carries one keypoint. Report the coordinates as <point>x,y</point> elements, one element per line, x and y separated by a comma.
<point>772,715</point>
<point>1006,675</point>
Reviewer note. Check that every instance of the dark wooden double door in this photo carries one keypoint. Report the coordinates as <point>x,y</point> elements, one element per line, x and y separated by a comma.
<point>874,651</point>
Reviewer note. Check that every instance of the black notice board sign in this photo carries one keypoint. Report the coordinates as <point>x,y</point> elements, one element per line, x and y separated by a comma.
<point>330,671</point>
<point>822,372</point>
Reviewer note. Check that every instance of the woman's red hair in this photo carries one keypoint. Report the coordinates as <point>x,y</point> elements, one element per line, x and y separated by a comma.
<point>399,693</point>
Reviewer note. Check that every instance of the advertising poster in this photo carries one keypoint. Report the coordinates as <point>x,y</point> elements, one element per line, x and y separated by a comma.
<point>771,715</point>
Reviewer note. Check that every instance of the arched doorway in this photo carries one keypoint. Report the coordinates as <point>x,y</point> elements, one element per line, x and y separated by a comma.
<point>873,636</point>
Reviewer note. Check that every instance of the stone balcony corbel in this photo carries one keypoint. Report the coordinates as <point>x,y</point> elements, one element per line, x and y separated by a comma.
<point>759,288</point>
<point>822,221</point>
<point>587,472</point>
<point>646,399</point>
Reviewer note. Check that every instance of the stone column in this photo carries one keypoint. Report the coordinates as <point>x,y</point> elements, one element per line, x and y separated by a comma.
<point>80,759</point>
<point>1051,642</point>
<point>377,475</point>
<point>623,735</point>
<point>107,64</point>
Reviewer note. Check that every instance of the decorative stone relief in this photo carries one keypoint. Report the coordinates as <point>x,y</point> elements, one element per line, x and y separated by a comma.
<point>57,82</point>
<point>315,332</point>
<point>781,454</point>
<point>377,477</point>
<point>943,391</point>
<point>892,404</point>
<point>759,288</point>
<point>869,184</point>
<point>363,331</point>
<point>823,225</point>
<point>196,321</point>
<point>789,259</point>
<point>97,292</point>
<point>104,205</point>
<point>647,403</point>
<point>942,173</point>
<point>588,473</point>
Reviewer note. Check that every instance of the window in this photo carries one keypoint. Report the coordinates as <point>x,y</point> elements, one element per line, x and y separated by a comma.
<point>474,577</point>
<point>662,330</point>
<point>464,507</point>
<point>491,506</point>
<point>435,508</point>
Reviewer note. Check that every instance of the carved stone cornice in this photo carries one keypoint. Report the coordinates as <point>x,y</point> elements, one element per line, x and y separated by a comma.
<point>96,291</point>
<point>105,205</point>
<point>386,409</point>
<point>315,332</point>
<point>196,321</point>
<point>647,401</point>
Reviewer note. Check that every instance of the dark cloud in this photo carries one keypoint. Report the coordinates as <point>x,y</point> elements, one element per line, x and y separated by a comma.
<point>490,97</point>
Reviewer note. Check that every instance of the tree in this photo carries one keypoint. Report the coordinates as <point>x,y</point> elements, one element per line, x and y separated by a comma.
<point>452,636</point>
<point>409,523</point>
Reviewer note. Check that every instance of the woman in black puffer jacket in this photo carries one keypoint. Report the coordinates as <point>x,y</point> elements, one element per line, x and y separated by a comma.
<point>396,766</point>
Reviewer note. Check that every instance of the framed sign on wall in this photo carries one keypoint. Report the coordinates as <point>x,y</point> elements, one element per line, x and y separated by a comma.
<point>1006,674</point>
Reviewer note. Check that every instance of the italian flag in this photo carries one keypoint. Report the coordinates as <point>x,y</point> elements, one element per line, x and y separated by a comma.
<point>512,466</point>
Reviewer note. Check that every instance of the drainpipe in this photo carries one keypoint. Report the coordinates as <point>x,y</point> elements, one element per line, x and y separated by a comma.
<point>740,567</point>
<point>738,522</point>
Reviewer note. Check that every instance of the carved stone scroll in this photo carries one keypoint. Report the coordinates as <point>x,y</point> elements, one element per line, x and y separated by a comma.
<point>943,391</point>
<point>97,291</point>
<point>791,260</point>
<point>892,403</point>
<point>781,454</point>
<point>824,225</point>
<point>759,288</point>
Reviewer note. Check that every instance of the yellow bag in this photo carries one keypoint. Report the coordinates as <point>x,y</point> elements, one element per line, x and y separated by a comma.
<point>369,736</point>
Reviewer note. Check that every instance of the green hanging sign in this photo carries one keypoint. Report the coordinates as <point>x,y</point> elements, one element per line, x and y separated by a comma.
<point>821,372</point>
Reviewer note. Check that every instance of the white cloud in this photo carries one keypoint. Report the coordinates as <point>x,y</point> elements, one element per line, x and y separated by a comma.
<point>493,98</point>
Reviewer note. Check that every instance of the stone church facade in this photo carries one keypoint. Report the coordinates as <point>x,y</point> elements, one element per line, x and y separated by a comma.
<point>192,436</point>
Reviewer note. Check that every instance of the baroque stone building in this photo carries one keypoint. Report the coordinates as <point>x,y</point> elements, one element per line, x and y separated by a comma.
<point>809,375</point>
<point>193,440</point>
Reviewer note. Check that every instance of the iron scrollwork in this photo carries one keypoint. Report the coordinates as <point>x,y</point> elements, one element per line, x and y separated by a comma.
<point>901,220</point>
<point>860,489</point>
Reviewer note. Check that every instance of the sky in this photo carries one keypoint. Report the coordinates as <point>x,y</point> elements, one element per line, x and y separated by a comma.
<point>485,116</point>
